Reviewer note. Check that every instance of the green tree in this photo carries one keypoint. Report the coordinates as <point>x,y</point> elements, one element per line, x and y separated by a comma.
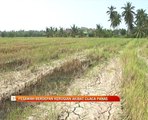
<point>50,32</point>
<point>128,15</point>
<point>139,32</point>
<point>141,23</point>
<point>123,32</point>
<point>99,30</point>
<point>74,30</point>
<point>141,17</point>
<point>116,20</point>
<point>114,17</point>
<point>111,13</point>
<point>61,32</point>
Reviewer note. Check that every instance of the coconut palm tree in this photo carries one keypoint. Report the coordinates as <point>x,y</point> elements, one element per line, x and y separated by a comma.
<point>111,13</point>
<point>141,23</point>
<point>61,32</point>
<point>99,30</point>
<point>139,32</point>
<point>114,17</point>
<point>47,32</point>
<point>128,15</point>
<point>50,32</point>
<point>117,19</point>
<point>141,17</point>
<point>74,30</point>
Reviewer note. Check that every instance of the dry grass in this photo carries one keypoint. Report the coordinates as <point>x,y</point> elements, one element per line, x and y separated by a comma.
<point>21,53</point>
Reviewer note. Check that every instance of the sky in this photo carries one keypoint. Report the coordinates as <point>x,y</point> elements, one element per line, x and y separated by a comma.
<point>39,14</point>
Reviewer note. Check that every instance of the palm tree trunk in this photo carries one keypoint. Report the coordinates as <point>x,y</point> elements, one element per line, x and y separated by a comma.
<point>128,30</point>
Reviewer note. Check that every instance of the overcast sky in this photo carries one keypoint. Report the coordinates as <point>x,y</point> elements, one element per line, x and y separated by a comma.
<point>39,14</point>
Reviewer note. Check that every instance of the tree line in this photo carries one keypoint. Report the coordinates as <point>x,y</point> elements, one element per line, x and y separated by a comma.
<point>23,33</point>
<point>137,26</point>
<point>73,31</point>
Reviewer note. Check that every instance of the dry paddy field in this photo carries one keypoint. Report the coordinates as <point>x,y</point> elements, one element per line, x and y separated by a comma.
<point>74,66</point>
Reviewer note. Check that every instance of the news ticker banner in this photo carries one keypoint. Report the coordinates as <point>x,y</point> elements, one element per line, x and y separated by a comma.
<point>65,98</point>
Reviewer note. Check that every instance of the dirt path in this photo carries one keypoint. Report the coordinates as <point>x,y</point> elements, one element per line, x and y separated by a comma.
<point>98,81</point>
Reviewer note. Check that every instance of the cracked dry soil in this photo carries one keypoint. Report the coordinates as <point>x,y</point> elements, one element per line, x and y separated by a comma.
<point>98,82</point>
<point>104,80</point>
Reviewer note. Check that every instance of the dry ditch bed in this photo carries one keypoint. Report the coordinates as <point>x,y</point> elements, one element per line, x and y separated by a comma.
<point>27,82</point>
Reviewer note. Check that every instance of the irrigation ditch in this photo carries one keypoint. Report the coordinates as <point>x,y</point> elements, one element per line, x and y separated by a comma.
<point>53,81</point>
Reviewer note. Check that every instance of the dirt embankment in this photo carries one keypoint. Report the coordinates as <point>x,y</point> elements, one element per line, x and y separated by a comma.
<point>17,82</point>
